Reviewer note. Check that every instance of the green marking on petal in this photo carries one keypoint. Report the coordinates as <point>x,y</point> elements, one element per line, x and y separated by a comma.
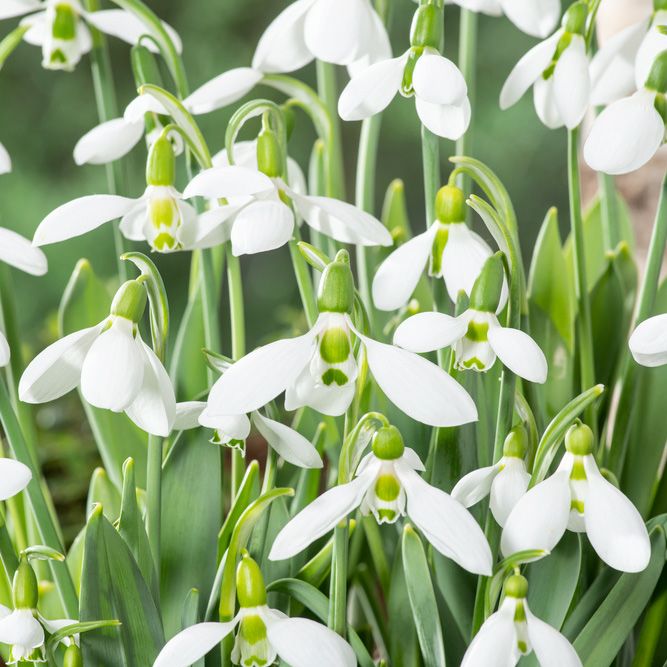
<point>478,331</point>
<point>388,516</point>
<point>438,247</point>
<point>335,345</point>
<point>64,23</point>
<point>474,362</point>
<point>387,488</point>
<point>334,376</point>
<point>577,506</point>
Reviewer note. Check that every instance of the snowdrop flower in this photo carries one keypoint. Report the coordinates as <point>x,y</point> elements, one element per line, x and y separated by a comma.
<point>476,335</point>
<point>60,27</point>
<point>5,161</point>
<point>577,497</point>
<point>439,88</point>
<point>14,477</point>
<point>449,247</point>
<point>648,342</point>
<point>513,632</point>
<point>113,366</point>
<point>263,634</point>
<point>506,481</point>
<point>628,133</point>
<point>388,487</point>
<point>558,71</point>
<point>319,369</point>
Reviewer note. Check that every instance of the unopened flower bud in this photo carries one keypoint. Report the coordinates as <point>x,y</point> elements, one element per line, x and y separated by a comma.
<point>130,301</point>
<point>161,164</point>
<point>250,588</point>
<point>657,78</point>
<point>73,657</point>
<point>388,443</point>
<point>516,586</point>
<point>579,440</point>
<point>336,290</point>
<point>574,19</point>
<point>427,26</point>
<point>516,442</point>
<point>269,158</point>
<point>450,204</point>
<point>25,586</point>
<point>486,292</point>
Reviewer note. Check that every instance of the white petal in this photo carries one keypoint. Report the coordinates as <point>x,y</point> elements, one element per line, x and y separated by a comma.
<point>495,642</point>
<point>490,7</point>
<point>11,8</point>
<point>282,47</point>
<point>304,643</point>
<point>398,275</point>
<point>113,370</point>
<point>5,161</point>
<point>14,477</point>
<point>233,181</point>
<point>528,70</point>
<point>550,647</point>
<point>234,427</point>
<point>187,415</point>
<point>289,444</point>
<point>438,80</point>
<point>321,515</point>
<point>448,121</point>
<point>141,105</point>
<point>57,369</point>
<point>5,352</point>
<point>19,252</point>
<point>474,486</point>
<point>80,216</point>
<point>614,527</point>
<point>227,88</point>
<point>545,102</point>
<point>262,226</point>
<point>429,331</point>
<point>412,460</point>
<point>519,352</point>
<point>329,400</point>
<point>214,227</point>
<point>572,83</point>
<point>260,376</point>
<point>507,488</point>
<point>648,342</point>
<point>540,518</point>
<point>108,142</point>
<point>193,643</point>
<point>653,44</point>
<point>21,628</point>
<point>447,525</point>
<point>626,135</point>
<point>371,90</point>
<point>534,17</point>
<point>378,47</point>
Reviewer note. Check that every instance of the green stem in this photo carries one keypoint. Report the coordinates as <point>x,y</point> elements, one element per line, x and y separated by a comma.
<point>154,497</point>
<point>431,168</point>
<point>304,282</point>
<point>337,620</point>
<point>611,228</point>
<point>7,551</point>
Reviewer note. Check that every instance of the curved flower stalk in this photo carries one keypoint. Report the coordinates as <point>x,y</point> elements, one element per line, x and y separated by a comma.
<point>387,485</point>
<point>648,342</point>
<point>629,132</point>
<point>319,369</point>
<point>5,161</point>
<point>506,481</point>
<point>449,247</point>
<point>558,71</point>
<point>60,28</point>
<point>439,88</point>
<point>476,335</point>
<point>577,497</point>
<point>513,631</point>
<point>263,634</point>
<point>113,366</point>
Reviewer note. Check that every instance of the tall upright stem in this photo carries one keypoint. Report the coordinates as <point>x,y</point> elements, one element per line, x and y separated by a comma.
<point>154,497</point>
<point>611,228</point>
<point>431,169</point>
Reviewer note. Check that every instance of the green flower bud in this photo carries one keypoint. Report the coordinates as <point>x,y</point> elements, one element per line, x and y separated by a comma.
<point>579,440</point>
<point>516,442</point>
<point>427,28</point>
<point>485,294</point>
<point>450,204</point>
<point>388,443</point>
<point>130,301</point>
<point>64,23</point>
<point>269,158</point>
<point>516,586</point>
<point>161,164</point>
<point>657,78</point>
<point>336,290</point>
<point>25,586</point>
<point>73,657</point>
<point>574,19</point>
<point>250,588</point>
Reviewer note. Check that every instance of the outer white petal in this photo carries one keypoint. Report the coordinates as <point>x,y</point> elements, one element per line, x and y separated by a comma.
<point>447,525</point>
<point>228,182</point>
<point>613,525</point>
<point>5,161</point>
<point>282,47</point>
<point>572,83</point>
<point>57,369</point>
<point>329,400</point>
<point>14,477</point>
<point>108,142</point>
<point>626,135</point>
<point>412,460</point>
<point>528,70</point>
<point>508,487</point>
<point>304,643</point>
<point>227,88</point>
<point>519,352</point>
<point>378,47</point>
<point>438,80</point>
<point>549,645</point>
<point>11,8</point>
<point>397,277</point>
<point>141,105</point>
<point>260,376</point>
<point>371,90</point>
<point>262,226</point>
<point>21,628</point>
<point>648,342</point>
<point>289,444</point>
<point>448,121</point>
<point>193,643</point>
<point>429,331</point>
<point>534,17</point>
<point>546,107</point>
<point>495,642</point>
<point>113,370</point>
<point>20,253</point>
<point>653,44</point>
<point>474,486</point>
<point>321,515</point>
<point>187,415</point>
<point>235,427</point>
<point>490,7</point>
<point>540,518</point>
<point>80,216</point>
<point>5,352</point>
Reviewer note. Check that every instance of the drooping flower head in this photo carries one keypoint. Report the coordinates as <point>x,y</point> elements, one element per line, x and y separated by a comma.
<point>648,342</point>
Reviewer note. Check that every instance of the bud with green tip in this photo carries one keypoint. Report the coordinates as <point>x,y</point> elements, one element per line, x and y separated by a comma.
<point>130,301</point>
<point>388,443</point>
<point>25,588</point>
<point>579,440</point>
<point>336,289</point>
<point>250,587</point>
<point>269,154</point>
<point>73,657</point>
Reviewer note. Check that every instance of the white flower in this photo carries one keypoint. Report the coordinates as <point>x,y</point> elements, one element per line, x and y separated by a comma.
<point>513,631</point>
<point>388,486</point>
<point>59,27</point>
<point>648,342</point>
<point>5,161</point>
<point>577,497</point>
<point>14,477</point>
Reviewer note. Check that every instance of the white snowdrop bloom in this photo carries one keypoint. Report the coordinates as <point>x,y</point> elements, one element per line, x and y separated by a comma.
<point>558,71</point>
<point>5,161</point>
<point>319,369</point>
<point>648,342</point>
<point>513,631</point>
<point>60,28</point>
<point>14,477</point>
<point>448,249</point>
<point>113,366</point>
<point>262,634</point>
<point>577,497</point>
<point>506,481</point>
<point>388,486</point>
<point>476,335</point>
<point>629,132</point>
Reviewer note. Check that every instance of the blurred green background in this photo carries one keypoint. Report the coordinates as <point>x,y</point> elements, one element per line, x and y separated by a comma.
<point>43,113</point>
